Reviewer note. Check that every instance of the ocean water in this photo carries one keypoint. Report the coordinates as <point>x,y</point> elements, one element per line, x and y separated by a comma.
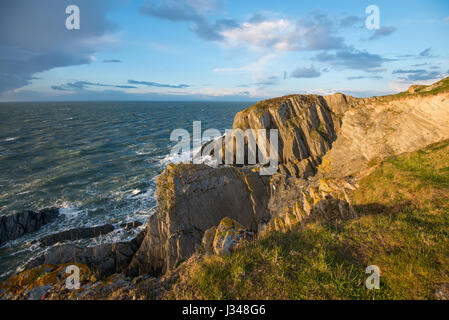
<point>97,161</point>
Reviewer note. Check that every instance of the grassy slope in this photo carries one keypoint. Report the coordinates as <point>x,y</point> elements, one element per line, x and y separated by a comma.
<point>421,90</point>
<point>403,229</point>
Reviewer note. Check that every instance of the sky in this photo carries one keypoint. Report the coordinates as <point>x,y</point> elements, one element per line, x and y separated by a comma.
<point>218,50</point>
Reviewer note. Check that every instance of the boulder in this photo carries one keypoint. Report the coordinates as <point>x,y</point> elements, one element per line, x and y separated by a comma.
<point>226,237</point>
<point>76,234</point>
<point>15,225</point>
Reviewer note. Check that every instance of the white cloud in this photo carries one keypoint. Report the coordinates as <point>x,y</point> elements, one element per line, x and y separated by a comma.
<point>315,33</point>
<point>322,92</point>
<point>278,34</point>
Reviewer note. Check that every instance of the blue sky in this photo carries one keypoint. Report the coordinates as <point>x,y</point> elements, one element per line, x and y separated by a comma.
<point>218,50</point>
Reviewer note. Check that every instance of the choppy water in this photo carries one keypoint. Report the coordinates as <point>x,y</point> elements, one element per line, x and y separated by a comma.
<point>90,159</point>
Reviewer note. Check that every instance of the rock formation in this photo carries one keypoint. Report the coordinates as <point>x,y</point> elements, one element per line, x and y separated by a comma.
<point>15,225</point>
<point>76,234</point>
<point>104,259</point>
<point>325,143</point>
<point>307,126</point>
<point>322,140</point>
<point>384,127</point>
<point>191,199</point>
<point>225,237</point>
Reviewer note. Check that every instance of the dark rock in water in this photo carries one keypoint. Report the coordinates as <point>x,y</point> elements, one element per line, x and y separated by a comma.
<point>192,199</point>
<point>131,225</point>
<point>15,225</point>
<point>76,234</point>
<point>104,259</point>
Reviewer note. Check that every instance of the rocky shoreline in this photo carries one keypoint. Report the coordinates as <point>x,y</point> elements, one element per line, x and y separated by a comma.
<point>325,145</point>
<point>15,225</point>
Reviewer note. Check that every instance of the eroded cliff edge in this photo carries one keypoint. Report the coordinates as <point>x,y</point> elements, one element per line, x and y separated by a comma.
<point>325,143</point>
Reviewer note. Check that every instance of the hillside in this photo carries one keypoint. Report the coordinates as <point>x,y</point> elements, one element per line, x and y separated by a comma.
<point>403,228</point>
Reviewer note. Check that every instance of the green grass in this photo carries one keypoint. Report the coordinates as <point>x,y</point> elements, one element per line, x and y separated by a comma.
<point>403,229</point>
<point>438,87</point>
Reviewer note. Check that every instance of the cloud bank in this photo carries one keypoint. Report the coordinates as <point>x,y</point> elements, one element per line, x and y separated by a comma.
<point>34,37</point>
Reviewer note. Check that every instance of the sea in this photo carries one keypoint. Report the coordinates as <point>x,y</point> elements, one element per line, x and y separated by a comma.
<point>96,161</point>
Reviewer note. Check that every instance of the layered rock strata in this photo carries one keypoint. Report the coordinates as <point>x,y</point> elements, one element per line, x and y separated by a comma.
<point>191,199</point>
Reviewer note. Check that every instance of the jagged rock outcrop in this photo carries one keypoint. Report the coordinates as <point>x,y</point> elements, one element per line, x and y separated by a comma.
<point>223,238</point>
<point>296,201</point>
<point>307,126</point>
<point>17,224</point>
<point>104,259</point>
<point>348,131</point>
<point>191,199</point>
<point>76,234</point>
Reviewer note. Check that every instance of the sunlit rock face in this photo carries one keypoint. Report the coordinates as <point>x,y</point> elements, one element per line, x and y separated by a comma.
<point>191,199</point>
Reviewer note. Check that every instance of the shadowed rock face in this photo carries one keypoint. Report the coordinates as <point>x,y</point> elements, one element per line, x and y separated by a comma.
<point>192,199</point>
<point>15,225</point>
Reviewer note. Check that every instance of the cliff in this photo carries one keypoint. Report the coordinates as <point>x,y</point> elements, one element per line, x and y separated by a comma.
<point>327,146</point>
<point>346,132</point>
<point>307,126</point>
<point>191,199</point>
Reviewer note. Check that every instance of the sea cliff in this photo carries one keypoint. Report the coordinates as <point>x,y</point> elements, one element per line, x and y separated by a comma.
<point>327,146</point>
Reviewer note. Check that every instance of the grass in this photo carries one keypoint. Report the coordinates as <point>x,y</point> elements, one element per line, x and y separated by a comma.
<point>403,229</point>
<point>437,87</point>
<point>261,106</point>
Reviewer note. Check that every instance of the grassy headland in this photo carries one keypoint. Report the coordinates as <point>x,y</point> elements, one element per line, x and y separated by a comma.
<point>403,229</point>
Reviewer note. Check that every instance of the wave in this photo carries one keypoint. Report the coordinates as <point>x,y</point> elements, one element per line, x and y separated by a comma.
<point>11,139</point>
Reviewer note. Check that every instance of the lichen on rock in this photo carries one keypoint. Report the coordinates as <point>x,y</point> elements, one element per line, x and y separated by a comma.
<point>225,237</point>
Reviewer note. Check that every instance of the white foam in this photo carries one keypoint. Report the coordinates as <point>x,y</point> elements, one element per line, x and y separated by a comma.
<point>179,158</point>
<point>144,152</point>
<point>70,212</point>
<point>11,139</point>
